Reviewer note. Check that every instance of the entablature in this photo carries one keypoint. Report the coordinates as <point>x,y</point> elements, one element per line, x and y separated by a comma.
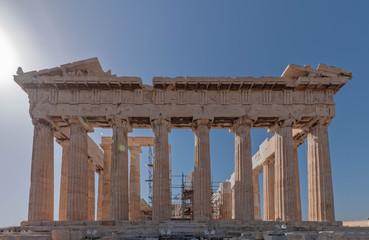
<point>83,89</point>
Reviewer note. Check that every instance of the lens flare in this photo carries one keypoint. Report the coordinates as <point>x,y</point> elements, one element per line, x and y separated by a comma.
<point>8,60</point>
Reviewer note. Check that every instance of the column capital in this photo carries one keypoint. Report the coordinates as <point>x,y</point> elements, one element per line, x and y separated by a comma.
<point>135,149</point>
<point>43,121</point>
<point>289,122</point>
<point>99,170</point>
<point>202,122</point>
<point>63,142</point>
<point>106,143</point>
<point>297,142</point>
<point>81,121</point>
<point>91,164</point>
<point>257,171</point>
<point>124,123</point>
<point>161,122</point>
<point>242,121</point>
<point>324,122</point>
<point>268,161</point>
<point>319,121</point>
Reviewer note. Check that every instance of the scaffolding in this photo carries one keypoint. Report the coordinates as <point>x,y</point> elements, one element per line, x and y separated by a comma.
<point>150,169</point>
<point>182,201</point>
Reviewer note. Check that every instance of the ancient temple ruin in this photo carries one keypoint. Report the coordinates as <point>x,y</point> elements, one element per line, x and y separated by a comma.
<point>69,101</point>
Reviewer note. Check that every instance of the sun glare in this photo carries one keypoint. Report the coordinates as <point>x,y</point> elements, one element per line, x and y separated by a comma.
<point>8,65</point>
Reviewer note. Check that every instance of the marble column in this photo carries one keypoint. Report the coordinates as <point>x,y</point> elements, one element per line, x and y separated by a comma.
<point>256,190</point>
<point>41,197</point>
<point>64,180</point>
<point>297,178</point>
<point>226,201</point>
<point>285,184</point>
<point>119,171</point>
<point>106,145</point>
<point>268,189</point>
<point>202,173</point>
<point>134,183</point>
<point>161,198</point>
<point>91,191</point>
<point>100,195</point>
<point>243,185</point>
<point>77,195</point>
<point>234,204</point>
<point>320,188</point>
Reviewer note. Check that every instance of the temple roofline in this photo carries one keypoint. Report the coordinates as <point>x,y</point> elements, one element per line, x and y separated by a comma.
<point>88,74</point>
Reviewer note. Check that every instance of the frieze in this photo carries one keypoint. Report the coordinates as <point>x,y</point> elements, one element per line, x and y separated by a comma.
<point>180,97</point>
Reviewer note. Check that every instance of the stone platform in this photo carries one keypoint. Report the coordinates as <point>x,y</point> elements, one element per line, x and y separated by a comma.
<point>75,230</point>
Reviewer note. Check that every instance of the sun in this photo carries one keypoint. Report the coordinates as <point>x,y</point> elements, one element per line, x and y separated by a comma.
<point>8,63</point>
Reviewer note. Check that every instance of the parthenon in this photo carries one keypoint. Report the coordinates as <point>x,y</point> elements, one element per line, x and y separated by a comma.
<point>69,101</point>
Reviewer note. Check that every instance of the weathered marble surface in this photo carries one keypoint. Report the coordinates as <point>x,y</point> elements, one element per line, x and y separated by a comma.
<point>180,229</point>
<point>73,99</point>
<point>243,177</point>
<point>119,171</point>
<point>202,172</point>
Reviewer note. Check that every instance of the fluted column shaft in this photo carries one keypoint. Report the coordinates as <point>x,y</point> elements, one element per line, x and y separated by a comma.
<point>161,198</point>
<point>202,172</point>
<point>91,191</point>
<point>100,195</point>
<point>285,182</point>
<point>119,172</point>
<point>243,185</point>
<point>226,201</point>
<point>268,189</point>
<point>320,188</point>
<point>297,178</point>
<point>41,197</point>
<point>64,181</point>
<point>134,183</point>
<point>77,196</point>
<point>256,190</point>
<point>106,145</point>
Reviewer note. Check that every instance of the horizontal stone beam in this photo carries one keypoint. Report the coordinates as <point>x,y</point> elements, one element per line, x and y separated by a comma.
<point>93,150</point>
<point>95,153</point>
<point>267,149</point>
<point>182,116</point>
<point>140,141</point>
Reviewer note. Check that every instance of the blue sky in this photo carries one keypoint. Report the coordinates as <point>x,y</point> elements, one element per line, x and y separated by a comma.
<point>188,38</point>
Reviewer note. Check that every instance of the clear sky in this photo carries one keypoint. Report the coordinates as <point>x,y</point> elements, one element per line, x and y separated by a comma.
<point>188,38</point>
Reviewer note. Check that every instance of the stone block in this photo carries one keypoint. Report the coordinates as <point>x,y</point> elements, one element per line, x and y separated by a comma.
<point>271,237</point>
<point>28,237</point>
<point>329,235</point>
<point>77,235</point>
<point>60,235</point>
<point>301,236</point>
<point>68,235</point>
<point>107,223</point>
